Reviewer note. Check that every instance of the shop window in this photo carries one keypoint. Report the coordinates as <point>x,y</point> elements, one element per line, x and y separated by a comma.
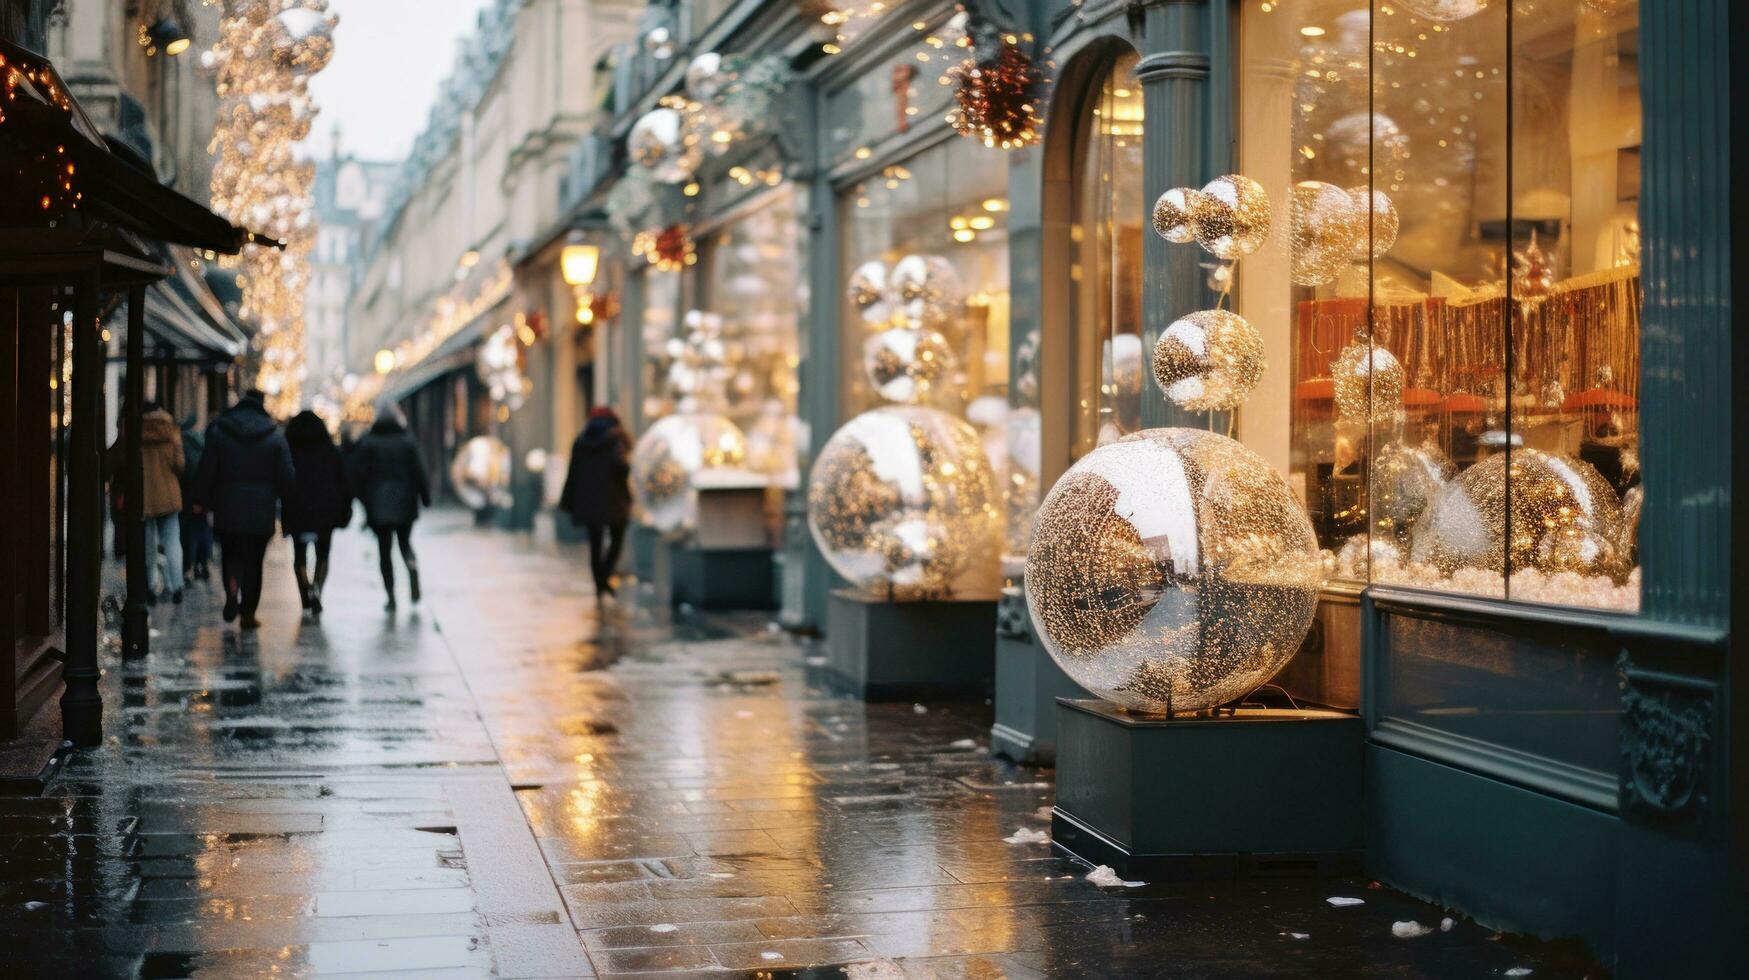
<point>658,321</point>
<point>1110,367</point>
<point>1452,385</point>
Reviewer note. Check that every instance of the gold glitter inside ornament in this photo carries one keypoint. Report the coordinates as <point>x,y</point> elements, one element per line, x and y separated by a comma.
<point>868,295</point>
<point>1404,480</point>
<point>1368,383</point>
<point>927,289</point>
<point>1325,227</point>
<point>658,142</point>
<point>1172,571</point>
<point>1376,205</point>
<point>1175,214</point>
<point>1564,517</point>
<point>907,365</point>
<point>480,473</point>
<point>902,500</point>
<point>1232,219</point>
<point>1208,360</point>
<point>670,456</point>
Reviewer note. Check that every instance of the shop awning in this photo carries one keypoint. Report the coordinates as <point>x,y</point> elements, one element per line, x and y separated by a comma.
<point>65,174</point>
<point>456,351</point>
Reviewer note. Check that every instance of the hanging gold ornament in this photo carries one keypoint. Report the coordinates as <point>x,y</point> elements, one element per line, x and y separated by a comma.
<point>927,289</point>
<point>1175,214</point>
<point>1208,360</point>
<point>1376,206</point>
<point>1231,216</point>
<point>907,365</point>
<point>1325,228</point>
<point>1172,571</point>
<point>998,99</point>
<point>868,293</point>
<point>1368,383</point>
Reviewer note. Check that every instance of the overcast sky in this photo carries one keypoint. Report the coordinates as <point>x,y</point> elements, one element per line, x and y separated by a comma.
<point>389,58</point>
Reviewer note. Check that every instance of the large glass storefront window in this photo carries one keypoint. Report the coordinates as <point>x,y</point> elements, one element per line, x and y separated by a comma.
<point>1110,367</point>
<point>1453,384</point>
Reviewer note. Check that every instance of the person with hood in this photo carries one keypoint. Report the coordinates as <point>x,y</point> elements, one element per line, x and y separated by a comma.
<point>597,494</point>
<point>318,504</point>
<point>197,526</point>
<point>245,469</point>
<point>387,474</point>
<point>161,463</point>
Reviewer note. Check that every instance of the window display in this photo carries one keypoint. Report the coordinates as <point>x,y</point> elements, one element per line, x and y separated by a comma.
<point>1452,317</point>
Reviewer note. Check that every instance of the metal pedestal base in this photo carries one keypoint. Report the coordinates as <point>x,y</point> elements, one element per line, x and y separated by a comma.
<point>1257,792</point>
<point>721,578</point>
<point>932,650</point>
<point>1028,684</point>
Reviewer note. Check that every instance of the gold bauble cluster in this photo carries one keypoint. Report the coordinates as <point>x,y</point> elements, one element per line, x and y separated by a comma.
<point>1208,360</point>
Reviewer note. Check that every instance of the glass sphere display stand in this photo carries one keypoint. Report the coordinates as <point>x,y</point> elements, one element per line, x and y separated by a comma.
<point>1173,573</point>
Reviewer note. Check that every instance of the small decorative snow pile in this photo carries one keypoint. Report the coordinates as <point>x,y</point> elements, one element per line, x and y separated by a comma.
<point>1023,835</point>
<point>1409,930</point>
<point>1105,877</point>
<point>964,743</point>
<point>664,927</point>
<point>1343,901</point>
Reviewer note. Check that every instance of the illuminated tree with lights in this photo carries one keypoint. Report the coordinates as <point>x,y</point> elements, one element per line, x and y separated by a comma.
<point>266,52</point>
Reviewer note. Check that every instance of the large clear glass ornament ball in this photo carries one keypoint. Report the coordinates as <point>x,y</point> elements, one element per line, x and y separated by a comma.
<point>658,143</point>
<point>1560,515</point>
<point>901,499</point>
<point>927,289</point>
<point>908,364</point>
<point>1231,218</point>
<point>1367,383</point>
<point>1405,480</point>
<point>480,473</point>
<point>1172,571</point>
<point>1208,360</point>
<point>670,456</point>
<point>868,294</point>
<point>1324,228</point>
<point>1175,214</point>
<point>1376,206</point>
<point>1445,10</point>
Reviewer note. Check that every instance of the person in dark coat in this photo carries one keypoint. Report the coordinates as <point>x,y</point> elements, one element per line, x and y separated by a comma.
<point>319,503</point>
<point>597,495</point>
<point>245,469</point>
<point>387,474</point>
<point>197,526</point>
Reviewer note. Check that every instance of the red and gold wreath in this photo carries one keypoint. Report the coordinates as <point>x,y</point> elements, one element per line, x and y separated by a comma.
<point>999,98</point>
<point>669,249</point>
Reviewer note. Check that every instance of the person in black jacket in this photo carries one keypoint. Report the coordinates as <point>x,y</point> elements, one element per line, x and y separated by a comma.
<point>245,469</point>
<point>197,527</point>
<point>319,503</point>
<point>596,493</point>
<point>388,475</point>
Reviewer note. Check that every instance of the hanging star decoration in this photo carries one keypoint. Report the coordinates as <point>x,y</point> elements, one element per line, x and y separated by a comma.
<point>1001,90</point>
<point>261,65</point>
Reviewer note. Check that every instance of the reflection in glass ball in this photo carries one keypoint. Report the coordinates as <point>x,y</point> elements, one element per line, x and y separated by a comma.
<point>1564,517</point>
<point>1405,479</point>
<point>1175,214</point>
<point>1446,10</point>
<point>480,473</point>
<point>1208,360</point>
<point>927,288</point>
<point>658,143</point>
<point>1367,382</point>
<point>1632,503</point>
<point>901,498</point>
<point>1122,370</point>
<point>906,365</point>
<point>1172,571</point>
<point>1232,219</point>
<point>1324,227</point>
<point>868,295</point>
<point>1378,205</point>
<point>670,456</point>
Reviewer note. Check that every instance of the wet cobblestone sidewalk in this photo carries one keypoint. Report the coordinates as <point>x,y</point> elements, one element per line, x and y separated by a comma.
<point>503,782</point>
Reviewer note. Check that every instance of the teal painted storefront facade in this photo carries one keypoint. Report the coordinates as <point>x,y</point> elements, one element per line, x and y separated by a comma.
<point>1596,784</point>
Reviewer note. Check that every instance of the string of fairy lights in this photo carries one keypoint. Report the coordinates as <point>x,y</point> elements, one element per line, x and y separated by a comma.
<point>261,65</point>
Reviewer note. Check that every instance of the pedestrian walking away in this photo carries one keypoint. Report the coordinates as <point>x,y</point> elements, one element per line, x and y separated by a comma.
<point>196,524</point>
<point>162,465</point>
<point>597,494</point>
<point>387,474</point>
<point>319,503</point>
<point>245,470</point>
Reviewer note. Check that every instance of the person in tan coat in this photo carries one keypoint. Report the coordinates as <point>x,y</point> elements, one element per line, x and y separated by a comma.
<point>162,462</point>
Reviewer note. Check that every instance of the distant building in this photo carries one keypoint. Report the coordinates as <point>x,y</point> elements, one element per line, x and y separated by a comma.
<point>349,197</point>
